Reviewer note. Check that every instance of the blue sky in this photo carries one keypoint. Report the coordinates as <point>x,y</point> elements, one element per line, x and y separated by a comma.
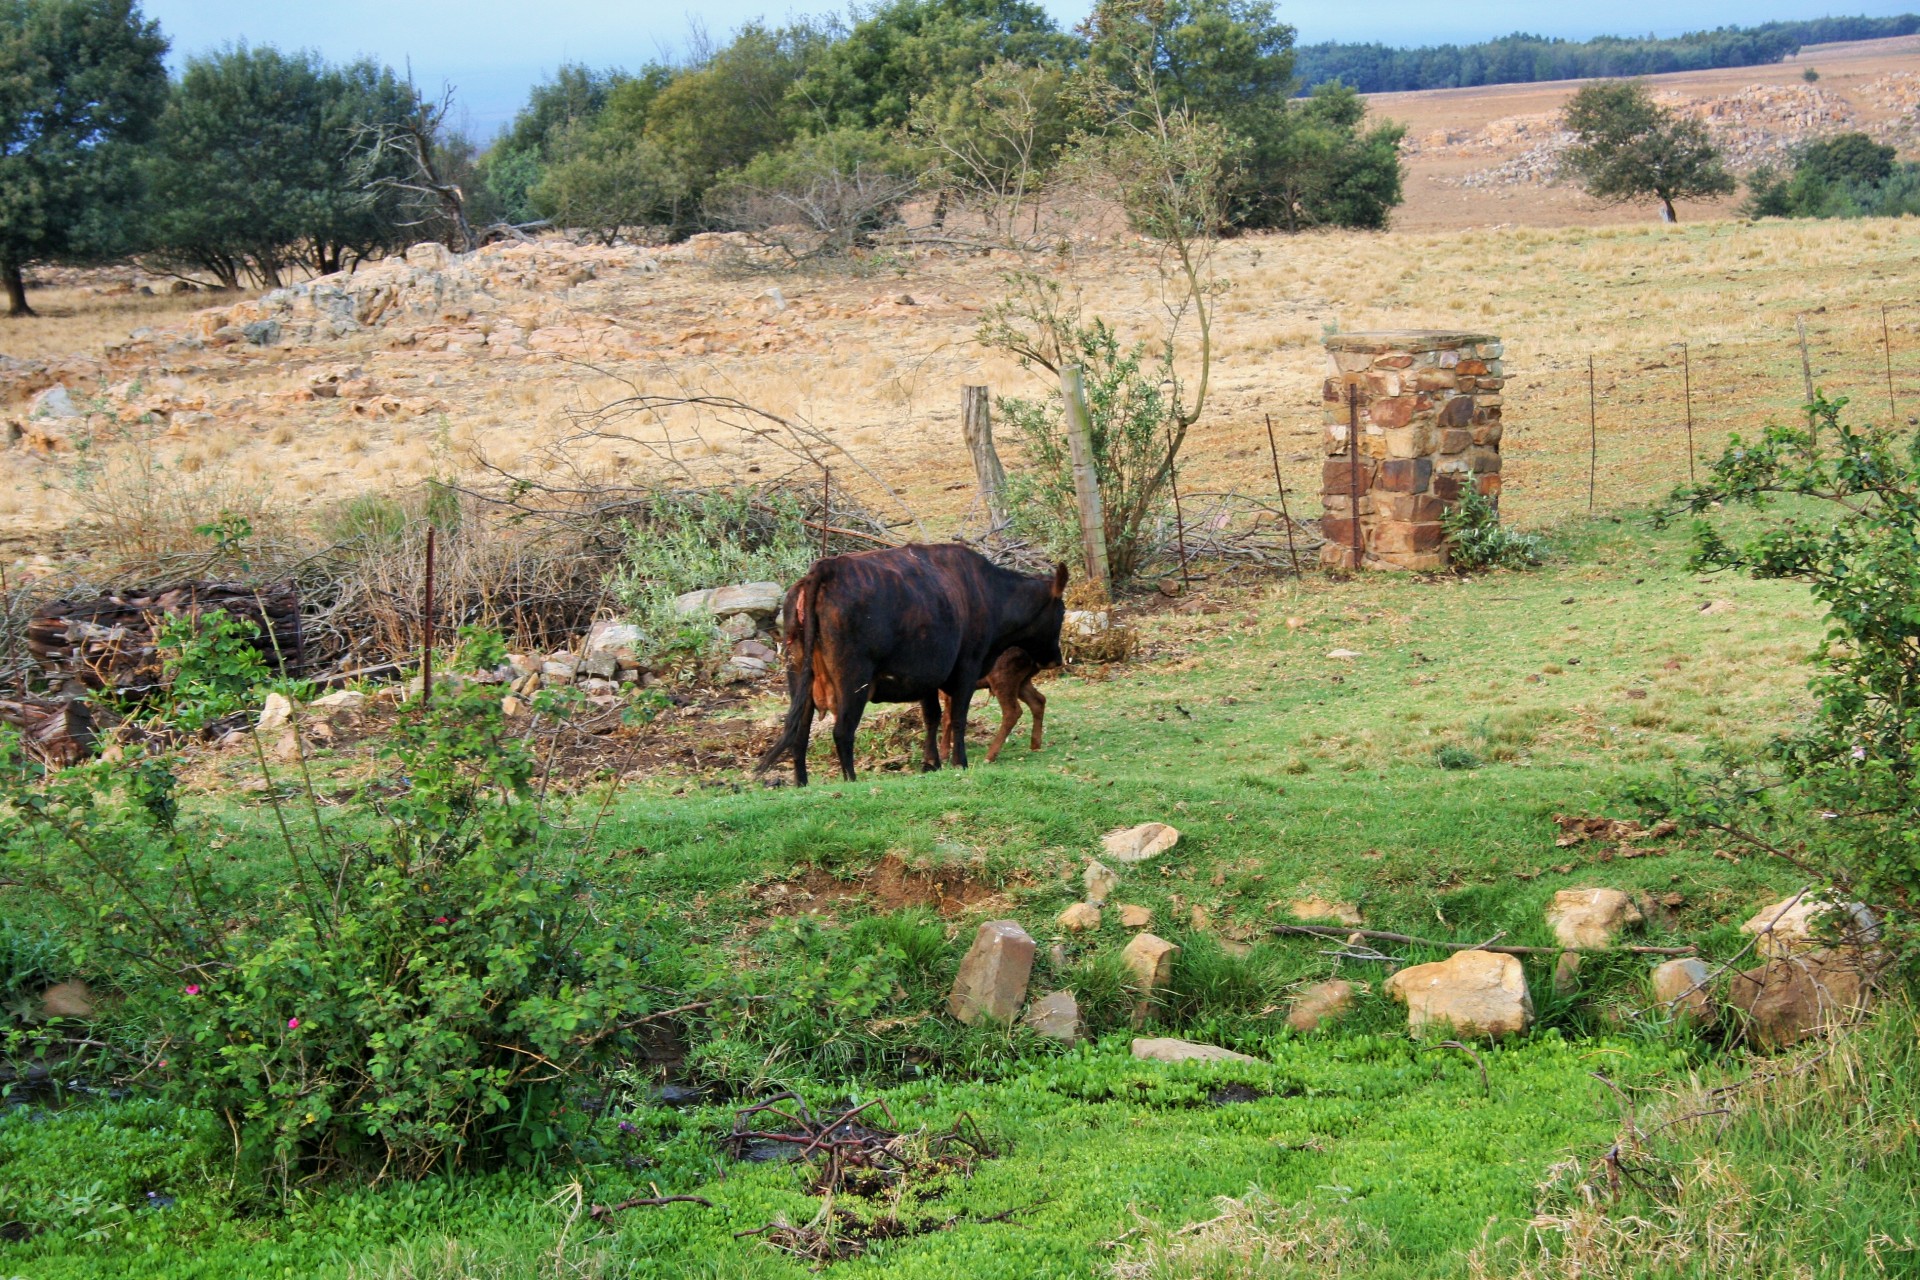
<point>492,50</point>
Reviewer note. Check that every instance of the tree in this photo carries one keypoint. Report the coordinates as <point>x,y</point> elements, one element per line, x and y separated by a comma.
<point>81,85</point>
<point>839,187</point>
<point>1312,162</point>
<point>1628,147</point>
<point>611,184</point>
<point>719,116</point>
<point>907,50</point>
<point>251,167</point>
<point>993,142</point>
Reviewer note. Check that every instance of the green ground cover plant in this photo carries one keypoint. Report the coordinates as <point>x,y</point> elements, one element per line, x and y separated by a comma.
<point>1289,772</point>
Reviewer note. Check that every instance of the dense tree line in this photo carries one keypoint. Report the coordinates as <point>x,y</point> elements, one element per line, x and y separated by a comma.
<point>254,161</point>
<point>1524,59</point>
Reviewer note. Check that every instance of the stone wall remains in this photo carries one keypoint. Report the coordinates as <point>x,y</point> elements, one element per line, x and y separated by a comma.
<point>1427,403</point>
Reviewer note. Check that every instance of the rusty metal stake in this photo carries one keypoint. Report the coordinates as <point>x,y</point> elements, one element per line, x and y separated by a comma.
<point>1353,467</point>
<point>1686,374</point>
<point>426,627</point>
<point>1293,556</point>
<point>1593,438</point>
<point>826,507</point>
<point>1179,520</point>
<point>1886,340</point>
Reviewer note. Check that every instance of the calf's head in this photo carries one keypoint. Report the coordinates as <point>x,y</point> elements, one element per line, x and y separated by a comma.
<point>1039,635</point>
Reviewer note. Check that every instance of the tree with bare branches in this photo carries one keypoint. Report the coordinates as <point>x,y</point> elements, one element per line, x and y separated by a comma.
<point>430,196</point>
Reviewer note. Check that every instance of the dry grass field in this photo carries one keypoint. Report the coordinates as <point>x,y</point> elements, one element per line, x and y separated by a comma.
<point>877,357</point>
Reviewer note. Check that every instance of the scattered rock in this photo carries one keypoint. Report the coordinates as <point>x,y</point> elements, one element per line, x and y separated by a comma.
<point>54,402</point>
<point>1715,608</point>
<point>1137,844</point>
<point>1100,881</point>
<point>1474,993</point>
<point>341,700</point>
<point>1794,925</point>
<point>275,714</point>
<point>287,749</point>
<point>739,626</point>
<point>1079,917</point>
<point>992,982</point>
<point>1150,960</point>
<point>1136,917</point>
<point>1566,973</point>
<point>757,599</point>
<point>1343,653</point>
<point>1318,1003</point>
<point>1167,1049</point>
<point>70,999</point>
<point>1591,917</point>
<point>1680,987</point>
<point>511,706</point>
<point>616,638</point>
<point>1786,1000</point>
<point>1315,907</point>
<point>693,604</point>
<point>1056,1016</point>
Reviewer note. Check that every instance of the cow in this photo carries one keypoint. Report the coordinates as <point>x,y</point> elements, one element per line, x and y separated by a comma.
<point>905,624</point>
<point>1011,682</point>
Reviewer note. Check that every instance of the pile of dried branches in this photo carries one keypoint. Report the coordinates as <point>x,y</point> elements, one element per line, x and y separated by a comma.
<point>861,1161</point>
<point>57,732</point>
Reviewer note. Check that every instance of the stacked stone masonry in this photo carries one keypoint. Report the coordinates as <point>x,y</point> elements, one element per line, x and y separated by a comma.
<point>1427,402</point>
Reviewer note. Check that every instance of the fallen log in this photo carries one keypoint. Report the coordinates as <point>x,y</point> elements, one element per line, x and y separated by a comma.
<point>56,732</point>
<point>108,642</point>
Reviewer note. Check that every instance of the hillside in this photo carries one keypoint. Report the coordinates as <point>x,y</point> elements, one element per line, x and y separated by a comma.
<point>1482,156</point>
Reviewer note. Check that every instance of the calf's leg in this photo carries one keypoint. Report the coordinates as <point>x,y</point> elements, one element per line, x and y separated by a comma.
<point>1009,717</point>
<point>1037,702</point>
<point>930,751</point>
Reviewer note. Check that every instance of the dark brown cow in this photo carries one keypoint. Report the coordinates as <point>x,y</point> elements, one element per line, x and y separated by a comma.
<point>906,624</point>
<point>1011,682</point>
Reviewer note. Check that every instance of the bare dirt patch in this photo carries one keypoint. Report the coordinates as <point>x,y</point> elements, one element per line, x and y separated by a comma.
<point>889,885</point>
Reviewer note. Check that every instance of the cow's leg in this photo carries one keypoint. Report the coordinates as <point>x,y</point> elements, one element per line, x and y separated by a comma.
<point>1009,717</point>
<point>1037,703</point>
<point>851,705</point>
<point>930,750</point>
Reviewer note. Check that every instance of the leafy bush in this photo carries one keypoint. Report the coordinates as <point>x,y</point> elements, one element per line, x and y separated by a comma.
<point>1130,410</point>
<point>1840,797</point>
<point>689,542</point>
<point>412,998</point>
<point>1846,176</point>
<point>1477,540</point>
<point>212,664</point>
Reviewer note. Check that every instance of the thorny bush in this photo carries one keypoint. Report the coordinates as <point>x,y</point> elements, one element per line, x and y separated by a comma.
<point>1840,797</point>
<point>413,988</point>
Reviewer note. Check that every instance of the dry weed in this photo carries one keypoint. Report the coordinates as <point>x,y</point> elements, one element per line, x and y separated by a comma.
<point>1253,1238</point>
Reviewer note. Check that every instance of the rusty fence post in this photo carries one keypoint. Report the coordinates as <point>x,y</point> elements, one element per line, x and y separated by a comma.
<point>1280,485</point>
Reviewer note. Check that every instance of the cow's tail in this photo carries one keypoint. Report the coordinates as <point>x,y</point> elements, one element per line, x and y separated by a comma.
<point>802,634</point>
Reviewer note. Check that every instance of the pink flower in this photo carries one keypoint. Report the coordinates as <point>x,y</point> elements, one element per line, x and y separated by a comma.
<point>293,1024</point>
<point>193,988</point>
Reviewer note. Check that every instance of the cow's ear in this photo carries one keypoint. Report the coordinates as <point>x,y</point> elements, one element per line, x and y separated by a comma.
<point>1059,580</point>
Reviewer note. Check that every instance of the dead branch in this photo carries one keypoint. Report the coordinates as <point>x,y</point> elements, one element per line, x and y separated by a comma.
<point>599,1211</point>
<point>1329,931</point>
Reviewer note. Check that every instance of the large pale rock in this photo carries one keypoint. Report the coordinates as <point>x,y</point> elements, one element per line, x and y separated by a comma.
<point>611,637</point>
<point>54,402</point>
<point>1473,993</point>
<point>1079,917</point>
<point>1591,917</point>
<point>694,604</point>
<point>1056,1016</point>
<point>1166,1049</point>
<point>72,999</point>
<point>1318,1003</point>
<point>1150,960</point>
<point>759,599</point>
<point>1794,924</point>
<point>1680,989</point>
<point>1315,907</point>
<point>992,982</point>
<point>1100,881</point>
<point>1791,998</point>
<point>1135,917</point>
<point>1137,844</point>
<point>275,714</point>
<point>341,700</point>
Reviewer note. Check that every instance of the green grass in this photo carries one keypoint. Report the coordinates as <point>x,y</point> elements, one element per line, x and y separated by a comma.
<point>1289,773</point>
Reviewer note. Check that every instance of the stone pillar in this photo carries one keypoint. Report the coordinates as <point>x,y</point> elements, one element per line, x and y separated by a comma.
<point>1428,404</point>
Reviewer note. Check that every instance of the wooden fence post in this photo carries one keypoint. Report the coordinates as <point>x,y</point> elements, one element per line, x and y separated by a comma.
<point>1086,481</point>
<point>976,424</point>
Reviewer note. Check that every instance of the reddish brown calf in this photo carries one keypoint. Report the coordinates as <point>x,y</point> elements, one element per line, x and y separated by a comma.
<point>1011,681</point>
